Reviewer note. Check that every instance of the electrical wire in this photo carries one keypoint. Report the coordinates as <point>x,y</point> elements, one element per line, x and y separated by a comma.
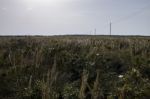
<point>131,15</point>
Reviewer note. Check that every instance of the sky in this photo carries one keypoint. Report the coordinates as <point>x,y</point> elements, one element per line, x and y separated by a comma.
<point>61,17</point>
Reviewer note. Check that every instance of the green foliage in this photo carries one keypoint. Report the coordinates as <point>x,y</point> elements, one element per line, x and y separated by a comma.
<point>70,91</point>
<point>76,67</point>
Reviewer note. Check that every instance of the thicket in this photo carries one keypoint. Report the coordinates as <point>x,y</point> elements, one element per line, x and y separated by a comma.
<point>74,67</point>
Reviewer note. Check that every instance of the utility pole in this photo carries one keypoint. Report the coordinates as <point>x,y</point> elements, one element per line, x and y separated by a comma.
<point>110,28</point>
<point>95,31</point>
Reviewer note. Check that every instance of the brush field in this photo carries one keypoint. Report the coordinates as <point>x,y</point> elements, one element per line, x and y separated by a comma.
<point>74,67</point>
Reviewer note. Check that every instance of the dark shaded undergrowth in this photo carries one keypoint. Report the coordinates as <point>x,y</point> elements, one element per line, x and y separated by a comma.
<point>74,68</point>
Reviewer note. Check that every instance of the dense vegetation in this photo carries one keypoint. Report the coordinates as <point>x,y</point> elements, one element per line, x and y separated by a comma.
<point>73,67</point>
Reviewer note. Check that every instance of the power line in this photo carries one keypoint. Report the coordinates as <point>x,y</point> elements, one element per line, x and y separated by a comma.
<point>127,17</point>
<point>132,14</point>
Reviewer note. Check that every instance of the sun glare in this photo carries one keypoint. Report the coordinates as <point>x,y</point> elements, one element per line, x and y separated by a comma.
<point>44,2</point>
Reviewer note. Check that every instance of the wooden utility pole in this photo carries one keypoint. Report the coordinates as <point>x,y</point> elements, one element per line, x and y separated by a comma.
<point>110,28</point>
<point>95,31</point>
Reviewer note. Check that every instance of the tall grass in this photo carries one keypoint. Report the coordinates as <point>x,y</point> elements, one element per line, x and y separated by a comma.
<point>74,67</point>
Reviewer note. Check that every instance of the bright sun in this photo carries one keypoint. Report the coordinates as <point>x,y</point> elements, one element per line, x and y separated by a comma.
<point>44,2</point>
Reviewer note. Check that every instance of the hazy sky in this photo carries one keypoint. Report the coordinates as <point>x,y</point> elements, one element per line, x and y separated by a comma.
<point>53,17</point>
